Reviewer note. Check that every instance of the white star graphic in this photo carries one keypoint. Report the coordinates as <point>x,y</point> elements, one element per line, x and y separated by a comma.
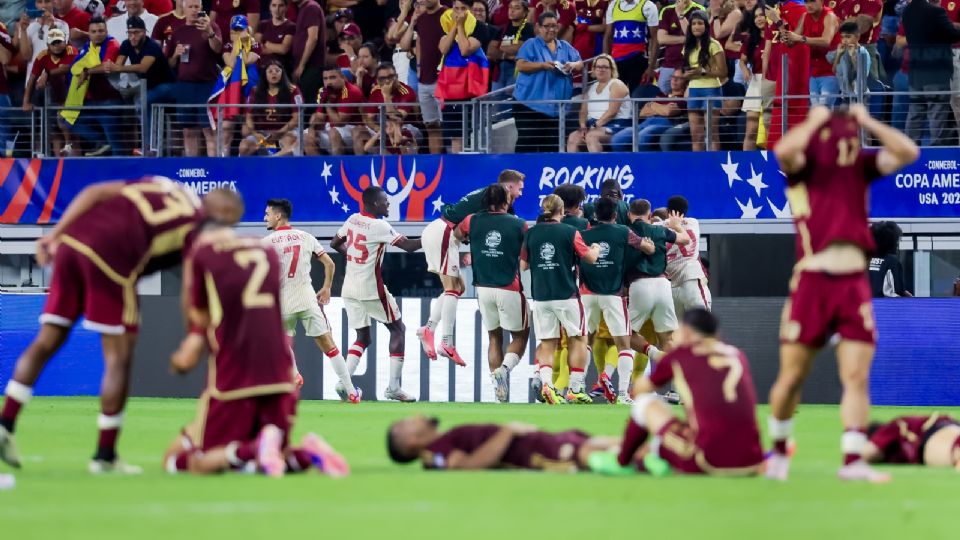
<point>437,204</point>
<point>780,213</point>
<point>346,209</point>
<point>334,196</point>
<point>764,154</point>
<point>730,168</point>
<point>756,180</point>
<point>636,32</point>
<point>623,32</point>
<point>749,210</point>
<point>326,172</point>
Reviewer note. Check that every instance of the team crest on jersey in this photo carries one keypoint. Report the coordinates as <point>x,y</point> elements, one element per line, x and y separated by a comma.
<point>493,239</point>
<point>951,6</point>
<point>604,250</point>
<point>408,191</point>
<point>547,252</point>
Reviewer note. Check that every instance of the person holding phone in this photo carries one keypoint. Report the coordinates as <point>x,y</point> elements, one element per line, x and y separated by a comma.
<point>704,66</point>
<point>30,35</point>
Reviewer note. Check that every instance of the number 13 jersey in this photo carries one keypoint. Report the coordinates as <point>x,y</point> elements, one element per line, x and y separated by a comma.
<point>296,249</point>
<point>367,239</point>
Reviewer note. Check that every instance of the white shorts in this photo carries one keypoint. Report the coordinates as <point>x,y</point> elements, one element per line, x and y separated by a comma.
<point>360,312</point>
<point>346,133</point>
<point>500,308</point>
<point>762,90</point>
<point>548,315</point>
<point>690,294</point>
<point>652,298</point>
<point>314,321</point>
<point>441,248</point>
<point>611,307</point>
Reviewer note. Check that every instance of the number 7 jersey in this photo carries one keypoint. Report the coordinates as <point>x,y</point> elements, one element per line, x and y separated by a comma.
<point>367,239</point>
<point>296,249</point>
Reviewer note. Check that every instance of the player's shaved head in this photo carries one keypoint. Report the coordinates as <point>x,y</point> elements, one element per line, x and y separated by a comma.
<point>375,201</point>
<point>678,204</point>
<point>606,209</point>
<point>611,188</point>
<point>223,206</point>
<point>701,321</point>
<point>572,195</point>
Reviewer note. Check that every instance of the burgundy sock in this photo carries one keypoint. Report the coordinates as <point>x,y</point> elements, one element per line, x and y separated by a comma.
<point>11,409</point>
<point>247,451</point>
<point>107,444</point>
<point>633,439</point>
<point>181,463</point>
<point>780,446</point>
<point>298,460</point>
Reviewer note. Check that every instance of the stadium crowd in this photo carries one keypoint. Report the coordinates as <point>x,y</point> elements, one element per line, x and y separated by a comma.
<point>711,73</point>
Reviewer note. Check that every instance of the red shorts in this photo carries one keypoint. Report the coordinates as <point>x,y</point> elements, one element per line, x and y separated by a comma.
<point>85,285</point>
<point>219,423</point>
<point>678,447</point>
<point>823,304</point>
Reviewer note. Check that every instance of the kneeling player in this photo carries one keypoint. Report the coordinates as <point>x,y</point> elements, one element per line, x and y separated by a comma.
<point>932,440</point>
<point>492,446</point>
<point>720,434</point>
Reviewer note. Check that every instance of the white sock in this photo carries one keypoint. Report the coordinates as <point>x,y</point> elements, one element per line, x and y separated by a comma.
<point>653,353</point>
<point>649,369</point>
<point>624,371</point>
<point>353,357</point>
<point>340,368</point>
<point>546,375</point>
<point>435,308</point>
<point>448,314</point>
<point>576,380</point>
<point>780,430</point>
<point>396,367</point>
<point>19,392</point>
<point>609,369</point>
<point>852,442</point>
<point>511,360</point>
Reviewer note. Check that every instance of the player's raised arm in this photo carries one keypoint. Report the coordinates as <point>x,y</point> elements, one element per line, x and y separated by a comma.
<point>898,150</point>
<point>675,224</point>
<point>790,150</point>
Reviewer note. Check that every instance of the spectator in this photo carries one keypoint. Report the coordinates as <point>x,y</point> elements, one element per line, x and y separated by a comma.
<point>725,17</point>
<point>515,33</point>
<point>223,11</point>
<point>753,65</point>
<point>363,69</point>
<point>6,55</point>
<point>460,27</point>
<point>241,48</point>
<point>901,85</point>
<point>630,25</point>
<point>886,270</point>
<point>349,40</point>
<point>400,104</point>
<point>400,140</point>
<point>309,49</point>
<point>331,127</point>
<point>545,66</point>
<point>275,35</point>
<point>193,51</point>
<point>77,19</point>
<point>867,15</point>
<point>929,36</point>
<point>704,66</point>
<point>484,31</point>
<point>148,65</point>
<point>589,27</point>
<point>268,130</point>
<point>157,7</point>
<point>818,29</point>
<point>499,10</point>
<point>426,23</point>
<point>566,16</point>
<point>656,117</point>
<point>50,71</point>
<point>30,36</point>
<point>601,115</point>
<point>117,27</point>
<point>341,18</point>
<point>168,23</point>
<point>671,33</point>
<point>93,89</point>
<point>401,56</point>
<point>848,60</point>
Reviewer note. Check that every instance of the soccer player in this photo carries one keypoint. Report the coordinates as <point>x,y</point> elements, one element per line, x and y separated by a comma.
<point>109,236</point>
<point>491,446</point>
<point>609,188</point>
<point>298,301</point>
<point>828,175</point>
<point>720,434</point>
<point>234,298</point>
<point>442,250</point>
<point>572,196</point>
<point>550,251</point>
<point>932,440</point>
<point>495,239</point>
<point>601,285</point>
<point>686,275</point>
<point>363,240</point>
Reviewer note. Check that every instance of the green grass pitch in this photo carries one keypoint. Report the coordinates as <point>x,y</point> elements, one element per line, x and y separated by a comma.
<point>55,498</point>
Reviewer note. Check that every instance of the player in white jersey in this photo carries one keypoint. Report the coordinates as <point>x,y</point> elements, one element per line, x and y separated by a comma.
<point>363,240</point>
<point>298,301</point>
<point>684,270</point>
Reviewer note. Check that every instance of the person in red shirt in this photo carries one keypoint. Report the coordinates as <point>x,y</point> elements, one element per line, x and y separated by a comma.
<point>400,106</point>
<point>363,70</point>
<point>589,27</point>
<point>275,35</point>
<point>167,23</point>
<point>55,63</point>
<point>222,11</point>
<point>783,19</point>
<point>818,29</point>
<point>77,19</point>
<point>272,130</point>
<point>349,40</point>
<point>566,16</point>
<point>331,126</point>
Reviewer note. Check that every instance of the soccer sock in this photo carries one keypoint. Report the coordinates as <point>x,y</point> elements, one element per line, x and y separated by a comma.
<point>624,371</point>
<point>353,356</point>
<point>448,314</point>
<point>179,462</point>
<point>609,369</point>
<point>435,312</point>
<point>109,425</point>
<point>561,369</point>
<point>546,375</point>
<point>633,438</point>
<point>653,353</point>
<point>852,443</point>
<point>396,367</point>
<point>239,453</point>
<point>511,360</point>
<point>340,368</point>
<point>298,460</point>
<point>576,380</point>
<point>18,395</point>
<point>780,431</point>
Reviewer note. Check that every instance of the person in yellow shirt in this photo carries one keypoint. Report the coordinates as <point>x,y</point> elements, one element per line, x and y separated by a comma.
<point>705,66</point>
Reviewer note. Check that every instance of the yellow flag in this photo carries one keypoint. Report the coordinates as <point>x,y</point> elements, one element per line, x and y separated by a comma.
<point>78,91</point>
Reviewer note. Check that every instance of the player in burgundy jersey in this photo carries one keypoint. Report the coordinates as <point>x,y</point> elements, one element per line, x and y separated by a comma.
<point>246,412</point>
<point>492,446</point>
<point>932,440</point>
<point>109,236</point>
<point>828,176</point>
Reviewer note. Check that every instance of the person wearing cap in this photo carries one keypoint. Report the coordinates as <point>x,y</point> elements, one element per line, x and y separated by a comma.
<point>275,35</point>
<point>223,11</point>
<point>30,37</point>
<point>54,61</point>
<point>349,39</point>
<point>241,47</point>
<point>341,18</point>
<point>117,27</point>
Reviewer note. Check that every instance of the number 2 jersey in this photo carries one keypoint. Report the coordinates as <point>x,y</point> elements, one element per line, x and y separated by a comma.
<point>683,262</point>
<point>296,249</point>
<point>367,239</point>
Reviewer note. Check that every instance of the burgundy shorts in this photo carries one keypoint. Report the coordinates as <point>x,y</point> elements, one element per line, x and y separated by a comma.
<point>822,304</point>
<point>679,448</point>
<point>221,422</point>
<point>81,286</point>
<point>554,451</point>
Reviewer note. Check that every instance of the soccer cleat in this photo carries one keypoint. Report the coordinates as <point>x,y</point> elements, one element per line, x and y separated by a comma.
<point>501,383</point>
<point>672,397</point>
<point>551,396</point>
<point>861,471</point>
<point>269,454</point>
<point>624,399</point>
<point>341,391</point>
<point>608,391</point>
<point>596,391</point>
<point>398,394</point>
<point>426,341</point>
<point>8,449</point>
<point>536,386</point>
<point>117,466</point>
<point>777,467</point>
<point>450,352</point>
<point>606,463</point>
<point>324,457</point>
<point>656,465</point>
<point>579,398</point>
<point>355,398</point>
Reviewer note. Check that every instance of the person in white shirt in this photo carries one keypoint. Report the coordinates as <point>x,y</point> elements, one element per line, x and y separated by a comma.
<point>363,240</point>
<point>299,303</point>
<point>684,270</point>
<point>30,37</point>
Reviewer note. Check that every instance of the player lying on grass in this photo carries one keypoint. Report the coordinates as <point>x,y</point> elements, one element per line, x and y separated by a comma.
<point>932,440</point>
<point>719,435</point>
<point>232,290</point>
<point>492,446</point>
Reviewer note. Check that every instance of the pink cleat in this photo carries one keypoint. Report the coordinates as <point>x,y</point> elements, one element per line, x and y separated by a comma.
<point>355,398</point>
<point>269,455</point>
<point>607,386</point>
<point>777,467</point>
<point>450,352</point>
<point>324,457</point>
<point>861,471</point>
<point>426,341</point>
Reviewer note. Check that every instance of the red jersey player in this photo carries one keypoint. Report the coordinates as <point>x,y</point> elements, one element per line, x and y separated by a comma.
<point>233,287</point>
<point>783,20</point>
<point>111,234</point>
<point>720,435</point>
<point>932,440</point>
<point>828,176</point>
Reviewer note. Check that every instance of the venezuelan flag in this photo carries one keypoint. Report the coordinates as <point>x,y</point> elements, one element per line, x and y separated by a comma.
<point>90,56</point>
<point>461,78</point>
<point>234,85</point>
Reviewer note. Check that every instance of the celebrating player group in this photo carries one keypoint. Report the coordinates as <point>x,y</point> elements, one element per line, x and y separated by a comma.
<point>620,282</point>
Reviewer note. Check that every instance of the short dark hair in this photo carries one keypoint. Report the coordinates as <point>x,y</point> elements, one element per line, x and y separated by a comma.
<point>702,321</point>
<point>640,207</point>
<point>283,206</point>
<point>386,65</point>
<point>546,15</point>
<point>395,451</point>
<point>606,209</point>
<point>97,20</point>
<point>886,234</point>
<point>372,47</point>
<point>850,27</point>
<point>572,195</point>
<point>679,204</point>
<point>610,184</point>
<point>661,213</point>
<point>370,195</point>
<point>494,196</point>
<point>333,67</point>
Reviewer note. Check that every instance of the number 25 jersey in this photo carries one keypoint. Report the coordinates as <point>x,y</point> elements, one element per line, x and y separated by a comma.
<point>367,239</point>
